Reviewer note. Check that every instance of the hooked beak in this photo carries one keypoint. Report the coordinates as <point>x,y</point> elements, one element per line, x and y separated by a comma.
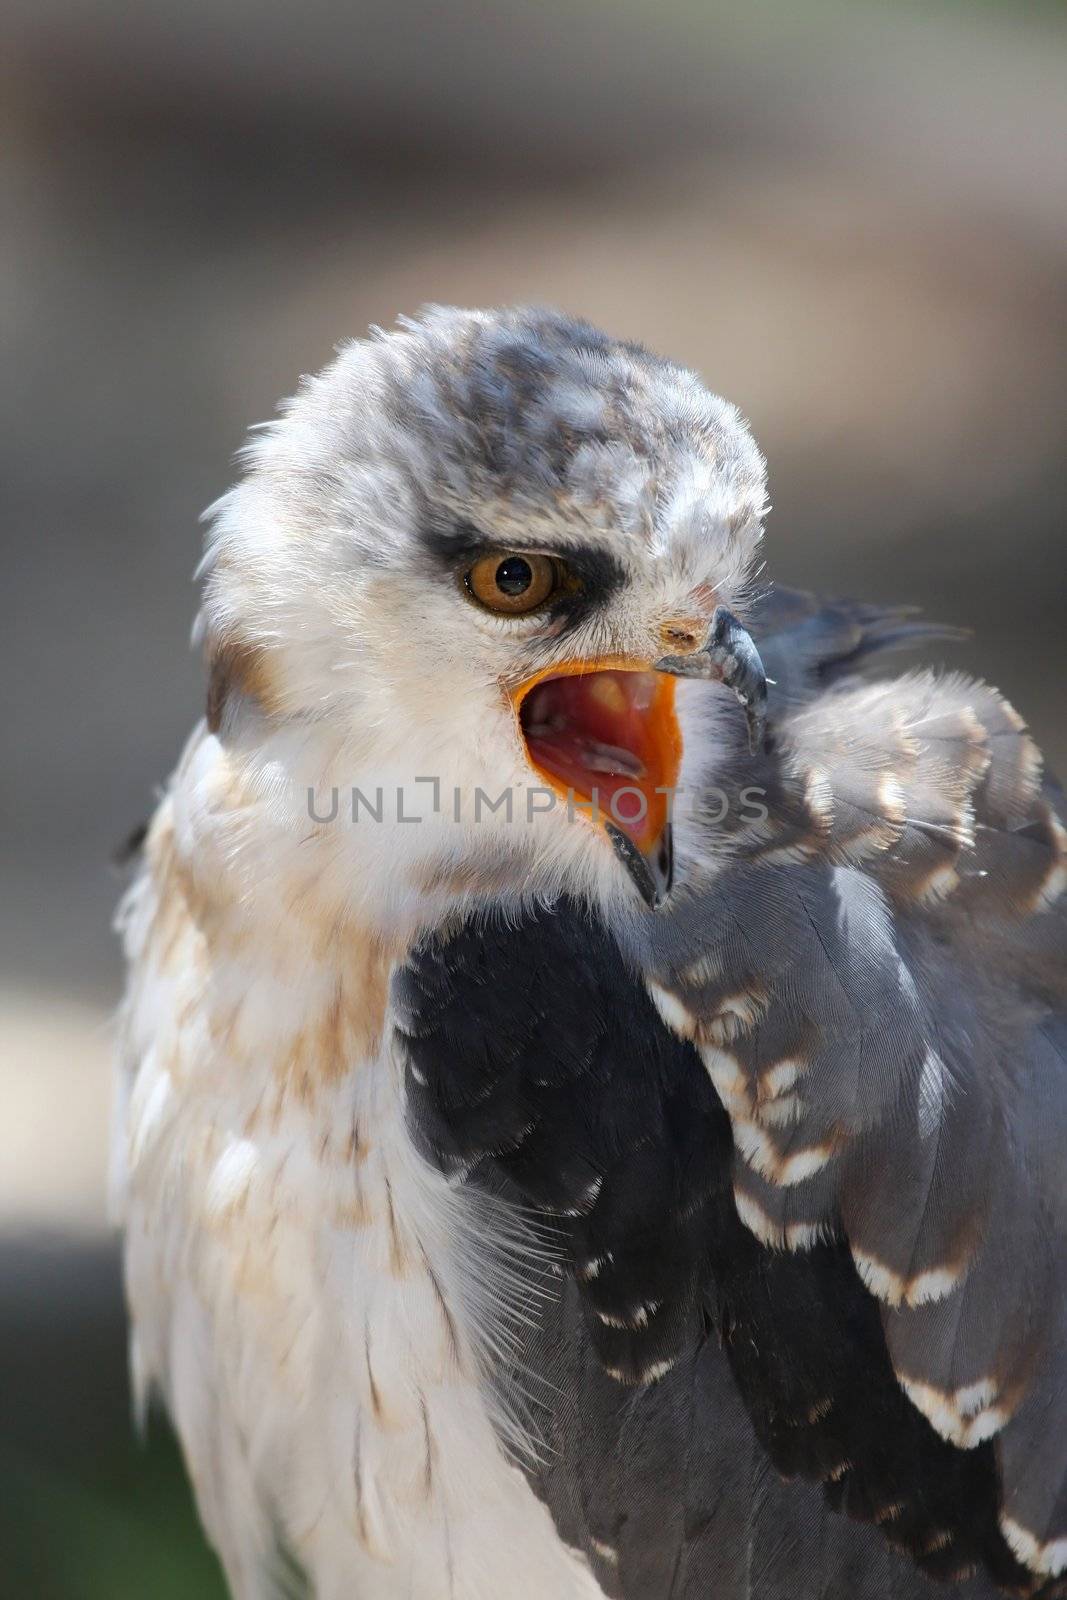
<point>728,656</point>
<point>603,734</point>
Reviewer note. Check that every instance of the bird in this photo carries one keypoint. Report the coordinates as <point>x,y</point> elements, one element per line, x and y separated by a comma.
<point>592,1074</point>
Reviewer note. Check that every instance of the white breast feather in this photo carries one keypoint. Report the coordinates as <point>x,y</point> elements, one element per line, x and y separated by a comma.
<point>306,1293</point>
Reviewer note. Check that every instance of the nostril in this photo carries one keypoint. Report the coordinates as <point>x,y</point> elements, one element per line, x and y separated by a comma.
<point>683,634</point>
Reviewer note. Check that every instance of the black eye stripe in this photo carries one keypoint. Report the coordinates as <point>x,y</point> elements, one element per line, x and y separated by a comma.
<point>599,573</point>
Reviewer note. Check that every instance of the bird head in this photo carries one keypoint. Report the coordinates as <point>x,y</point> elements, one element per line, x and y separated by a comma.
<point>471,561</point>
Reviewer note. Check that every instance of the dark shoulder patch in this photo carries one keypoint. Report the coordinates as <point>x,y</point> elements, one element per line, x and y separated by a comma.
<point>536,1061</point>
<point>533,1051</point>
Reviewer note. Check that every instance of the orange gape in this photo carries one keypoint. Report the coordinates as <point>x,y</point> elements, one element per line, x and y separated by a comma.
<point>605,729</point>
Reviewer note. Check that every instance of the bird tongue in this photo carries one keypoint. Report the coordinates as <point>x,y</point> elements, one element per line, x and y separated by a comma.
<point>608,736</point>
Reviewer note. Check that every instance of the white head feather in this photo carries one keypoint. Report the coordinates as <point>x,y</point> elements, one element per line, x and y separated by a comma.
<point>346,652</point>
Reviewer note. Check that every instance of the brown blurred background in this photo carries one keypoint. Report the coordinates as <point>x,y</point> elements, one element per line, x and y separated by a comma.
<point>851,217</point>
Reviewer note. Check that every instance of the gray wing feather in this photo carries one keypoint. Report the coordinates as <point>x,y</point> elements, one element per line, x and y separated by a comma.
<point>720,1521</point>
<point>876,978</point>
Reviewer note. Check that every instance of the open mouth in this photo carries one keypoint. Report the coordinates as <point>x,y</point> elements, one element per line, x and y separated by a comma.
<point>606,739</point>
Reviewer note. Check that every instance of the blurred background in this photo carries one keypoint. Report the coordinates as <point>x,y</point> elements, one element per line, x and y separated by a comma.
<point>851,217</point>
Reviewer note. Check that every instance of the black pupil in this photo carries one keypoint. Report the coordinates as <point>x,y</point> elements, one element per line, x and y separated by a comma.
<point>514,576</point>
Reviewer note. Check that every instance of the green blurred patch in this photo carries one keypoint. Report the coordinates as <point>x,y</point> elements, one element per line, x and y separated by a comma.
<point>87,1512</point>
<point>135,1535</point>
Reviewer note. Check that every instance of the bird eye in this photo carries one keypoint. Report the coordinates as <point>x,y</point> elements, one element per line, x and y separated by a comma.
<point>513,584</point>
